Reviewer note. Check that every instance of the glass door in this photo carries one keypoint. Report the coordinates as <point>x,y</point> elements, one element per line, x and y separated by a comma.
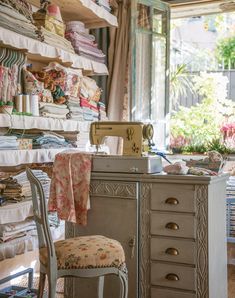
<point>150,66</point>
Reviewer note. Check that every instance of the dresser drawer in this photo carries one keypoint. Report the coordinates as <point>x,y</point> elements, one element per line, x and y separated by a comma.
<point>173,197</point>
<point>177,225</point>
<point>173,276</point>
<point>173,250</point>
<point>164,293</point>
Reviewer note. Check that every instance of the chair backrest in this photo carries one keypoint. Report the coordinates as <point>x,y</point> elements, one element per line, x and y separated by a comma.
<point>41,217</point>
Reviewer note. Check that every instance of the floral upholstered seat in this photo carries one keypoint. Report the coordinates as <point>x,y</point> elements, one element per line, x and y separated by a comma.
<point>86,252</point>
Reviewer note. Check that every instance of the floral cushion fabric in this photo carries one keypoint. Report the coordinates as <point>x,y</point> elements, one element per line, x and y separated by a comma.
<point>86,252</point>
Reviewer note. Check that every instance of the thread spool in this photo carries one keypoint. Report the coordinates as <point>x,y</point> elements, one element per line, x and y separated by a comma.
<point>19,103</point>
<point>26,104</point>
<point>34,105</point>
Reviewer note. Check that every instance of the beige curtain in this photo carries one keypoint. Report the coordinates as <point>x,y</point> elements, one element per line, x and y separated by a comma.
<point>118,62</point>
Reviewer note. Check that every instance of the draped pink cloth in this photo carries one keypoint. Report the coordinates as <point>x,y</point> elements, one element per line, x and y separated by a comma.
<point>69,193</point>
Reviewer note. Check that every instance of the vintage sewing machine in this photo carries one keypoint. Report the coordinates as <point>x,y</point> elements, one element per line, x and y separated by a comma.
<point>137,138</point>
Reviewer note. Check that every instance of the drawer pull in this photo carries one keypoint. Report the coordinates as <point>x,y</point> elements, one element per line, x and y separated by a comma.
<point>172,277</point>
<point>172,251</point>
<point>172,201</point>
<point>172,226</point>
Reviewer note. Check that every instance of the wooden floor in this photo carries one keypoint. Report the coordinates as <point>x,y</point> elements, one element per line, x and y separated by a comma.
<point>231,281</point>
<point>231,276</point>
<point>60,284</point>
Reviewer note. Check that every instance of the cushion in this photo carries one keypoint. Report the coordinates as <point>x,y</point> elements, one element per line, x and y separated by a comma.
<point>86,252</point>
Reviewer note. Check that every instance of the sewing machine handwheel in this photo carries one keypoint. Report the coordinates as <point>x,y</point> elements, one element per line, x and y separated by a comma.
<point>148,131</point>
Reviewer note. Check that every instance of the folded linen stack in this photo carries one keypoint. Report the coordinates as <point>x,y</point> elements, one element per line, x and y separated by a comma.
<point>76,111</point>
<point>102,111</point>
<point>15,230</point>
<point>82,142</point>
<point>25,184</point>
<point>55,40</point>
<point>52,140</point>
<point>8,143</point>
<point>16,18</point>
<point>53,110</point>
<point>11,190</point>
<point>83,42</point>
<point>105,4</point>
<point>230,197</point>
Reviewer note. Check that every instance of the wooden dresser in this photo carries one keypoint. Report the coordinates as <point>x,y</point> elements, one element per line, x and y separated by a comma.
<point>173,230</point>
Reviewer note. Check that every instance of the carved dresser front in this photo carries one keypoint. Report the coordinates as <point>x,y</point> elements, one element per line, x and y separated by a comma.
<point>172,228</point>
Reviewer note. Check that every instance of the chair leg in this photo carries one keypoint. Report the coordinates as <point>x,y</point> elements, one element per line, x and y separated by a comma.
<point>42,279</point>
<point>123,275</point>
<point>101,287</point>
<point>51,287</point>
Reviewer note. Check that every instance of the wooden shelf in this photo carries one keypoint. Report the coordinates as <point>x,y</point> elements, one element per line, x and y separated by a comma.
<point>39,51</point>
<point>86,11</point>
<point>43,123</point>
<point>12,158</point>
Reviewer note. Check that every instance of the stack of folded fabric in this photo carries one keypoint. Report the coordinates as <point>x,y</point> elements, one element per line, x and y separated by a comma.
<point>11,190</point>
<point>51,28</point>
<point>8,143</point>
<point>105,4</point>
<point>76,111</point>
<point>83,42</point>
<point>102,111</point>
<point>55,40</point>
<point>17,16</point>
<point>230,198</point>
<point>94,109</point>
<point>53,110</point>
<point>15,230</point>
<point>25,185</point>
<point>51,140</point>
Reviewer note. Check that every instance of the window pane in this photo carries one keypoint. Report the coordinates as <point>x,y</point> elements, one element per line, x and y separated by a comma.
<point>143,19</point>
<point>141,108</point>
<point>158,88</point>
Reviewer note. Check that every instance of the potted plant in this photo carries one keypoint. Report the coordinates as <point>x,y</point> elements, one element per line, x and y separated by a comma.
<point>7,107</point>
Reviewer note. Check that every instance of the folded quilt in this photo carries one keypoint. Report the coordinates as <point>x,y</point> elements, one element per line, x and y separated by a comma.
<point>59,116</point>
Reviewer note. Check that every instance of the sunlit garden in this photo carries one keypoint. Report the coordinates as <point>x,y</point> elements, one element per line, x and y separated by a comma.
<point>209,123</point>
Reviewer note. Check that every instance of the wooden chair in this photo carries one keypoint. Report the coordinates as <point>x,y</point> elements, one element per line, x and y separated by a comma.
<point>85,256</point>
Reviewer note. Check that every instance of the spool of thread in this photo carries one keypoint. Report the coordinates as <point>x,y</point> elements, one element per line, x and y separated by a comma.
<point>26,104</point>
<point>19,103</point>
<point>34,105</point>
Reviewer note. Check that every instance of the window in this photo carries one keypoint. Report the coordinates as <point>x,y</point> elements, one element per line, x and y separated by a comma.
<point>150,66</point>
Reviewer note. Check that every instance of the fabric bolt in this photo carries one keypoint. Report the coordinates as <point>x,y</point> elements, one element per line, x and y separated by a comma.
<point>11,19</point>
<point>55,110</point>
<point>15,230</point>
<point>83,43</point>
<point>52,115</point>
<point>19,6</point>
<point>17,246</point>
<point>70,186</point>
<point>55,40</point>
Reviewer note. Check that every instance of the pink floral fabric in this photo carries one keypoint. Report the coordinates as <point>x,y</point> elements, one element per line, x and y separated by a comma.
<point>86,252</point>
<point>70,185</point>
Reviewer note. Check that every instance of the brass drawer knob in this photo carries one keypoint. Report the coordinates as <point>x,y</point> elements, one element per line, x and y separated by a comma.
<point>172,201</point>
<point>172,251</point>
<point>172,226</point>
<point>172,277</point>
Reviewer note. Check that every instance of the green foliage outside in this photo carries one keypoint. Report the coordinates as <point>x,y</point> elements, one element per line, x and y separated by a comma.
<point>225,52</point>
<point>197,129</point>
